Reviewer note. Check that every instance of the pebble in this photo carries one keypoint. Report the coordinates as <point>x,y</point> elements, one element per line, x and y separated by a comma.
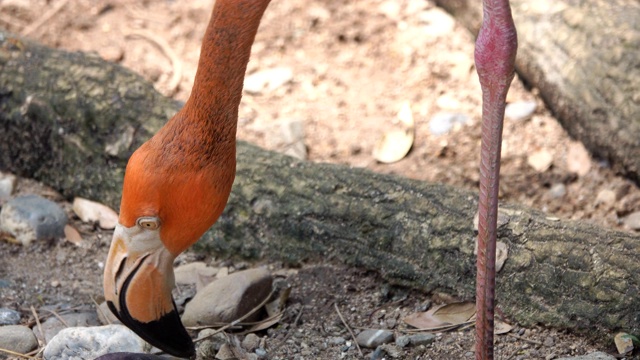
<point>632,221</point>
<point>520,110</point>
<point>251,342</point>
<point>442,123</point>
<point>606,197</point>
<point>403,340</point>
<point>262,353</point>
<point>228,298</point>
<point>32,217</point>
<point>17,338</point>
<point>557,191</point>
<point>90,342</point>
<point>267,80</point>
<point>52,326</point>
<point>9,317</point>
<point>548,341</point>
<point>592,356</point>
<point>373,338</point>
<point>337,340</point>
<point>207,348</point>
<point>421,339</point>
<point>540,160</point>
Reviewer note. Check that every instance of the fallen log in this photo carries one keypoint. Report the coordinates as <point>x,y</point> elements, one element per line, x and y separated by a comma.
<point>582,57</point>
<point>71,120</point>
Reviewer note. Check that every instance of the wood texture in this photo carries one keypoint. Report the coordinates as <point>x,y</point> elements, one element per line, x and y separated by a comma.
<point>65,120</point>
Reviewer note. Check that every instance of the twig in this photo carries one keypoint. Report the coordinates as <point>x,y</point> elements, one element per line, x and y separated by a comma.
<point>35,315</point>
<point>100,310</point>
<point>44,18</point>
<point>348,328</point>
<point>57,317</point>
<point>534,342</point>
<point>16,353</point>
<point>239,320</point>
<point>166,49</point>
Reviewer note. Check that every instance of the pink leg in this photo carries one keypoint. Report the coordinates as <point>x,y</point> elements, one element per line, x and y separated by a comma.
<point>495,61</point>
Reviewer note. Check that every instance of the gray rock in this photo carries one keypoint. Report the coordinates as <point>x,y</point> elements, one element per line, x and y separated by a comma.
<point>337,340</point>
<point>17,338</point>
<point>228,298</point>
<point>592,356</point>
<point>373,338</point>
<point>9,317</point>
<point>53,325</point>
<point>442,123</point>
<point>251,342</point>
<point>79,343</point>
<point>520,110</point>
<point>32,217</point>
<point>403,340</point>
<point>421,339</point>
<point>209,347</point>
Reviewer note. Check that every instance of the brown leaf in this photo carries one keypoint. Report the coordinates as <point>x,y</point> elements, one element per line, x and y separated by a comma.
<point>72,235</point>
<point>396,143</point>
<point>90,211</point>
<point>501,327</point>
<point>446,315</point>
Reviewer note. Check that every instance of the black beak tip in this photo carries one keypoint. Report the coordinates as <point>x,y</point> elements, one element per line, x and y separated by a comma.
<point>167,333</point>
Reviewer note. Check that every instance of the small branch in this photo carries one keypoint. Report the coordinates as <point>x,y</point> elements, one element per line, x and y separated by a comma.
<point>35,315</point>
<point>348,328</point>
<point>16,353</point>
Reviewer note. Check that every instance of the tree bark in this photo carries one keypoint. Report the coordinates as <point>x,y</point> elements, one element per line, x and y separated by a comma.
<point>71,121</point>
<point>582,56</point>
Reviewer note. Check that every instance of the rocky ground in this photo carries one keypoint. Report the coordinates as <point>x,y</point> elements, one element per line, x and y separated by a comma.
<point>326,82</point>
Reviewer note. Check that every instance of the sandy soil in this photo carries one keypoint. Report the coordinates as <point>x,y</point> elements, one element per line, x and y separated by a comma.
<point>353,64</point>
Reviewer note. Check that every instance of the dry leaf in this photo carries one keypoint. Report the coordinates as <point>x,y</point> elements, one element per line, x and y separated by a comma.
<point>446,315</point>
<point>396,143</point>
<point>72,235</point>
<point>501,327</point>
<point>624,343</point>
<point>90,211</point>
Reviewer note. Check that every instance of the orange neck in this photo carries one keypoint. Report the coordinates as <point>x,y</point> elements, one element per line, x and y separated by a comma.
<point>226,48</point>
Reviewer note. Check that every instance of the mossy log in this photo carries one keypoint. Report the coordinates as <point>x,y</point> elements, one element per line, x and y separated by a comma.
<point>71,120</point>
<point>583,57</point>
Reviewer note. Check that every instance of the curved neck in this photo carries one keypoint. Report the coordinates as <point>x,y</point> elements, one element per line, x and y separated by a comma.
<point>226,47</point>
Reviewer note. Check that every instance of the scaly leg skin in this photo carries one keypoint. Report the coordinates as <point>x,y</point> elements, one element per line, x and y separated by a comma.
<point>495,62</point>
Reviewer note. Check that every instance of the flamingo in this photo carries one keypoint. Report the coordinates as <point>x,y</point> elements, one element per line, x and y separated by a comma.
<point>495,56</point>
<point>177,183</point>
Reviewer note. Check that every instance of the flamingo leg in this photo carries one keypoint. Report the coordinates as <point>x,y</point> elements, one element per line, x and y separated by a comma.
<point>495,62</point>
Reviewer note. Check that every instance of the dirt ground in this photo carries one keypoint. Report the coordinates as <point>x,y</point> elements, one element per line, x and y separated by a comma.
<point>352,64</point>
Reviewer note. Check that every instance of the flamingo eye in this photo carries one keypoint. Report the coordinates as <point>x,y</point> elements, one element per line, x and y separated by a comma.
<point>149,223</point>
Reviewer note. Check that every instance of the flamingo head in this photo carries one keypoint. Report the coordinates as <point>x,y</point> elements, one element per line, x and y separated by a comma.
<point>167,204</point>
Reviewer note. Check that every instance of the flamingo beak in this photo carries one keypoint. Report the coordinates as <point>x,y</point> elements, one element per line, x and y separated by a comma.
<point>138,280</point>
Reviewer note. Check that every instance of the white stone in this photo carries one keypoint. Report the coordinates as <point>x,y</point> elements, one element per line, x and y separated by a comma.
<point>79,343</point>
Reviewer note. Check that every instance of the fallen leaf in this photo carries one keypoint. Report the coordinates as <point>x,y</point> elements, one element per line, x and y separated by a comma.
<point>446,315</point>
<point>501,327</point>
<point>624,342</point>
<point>72,235</point>
<point>396,143</point>
<point>90,211</point>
